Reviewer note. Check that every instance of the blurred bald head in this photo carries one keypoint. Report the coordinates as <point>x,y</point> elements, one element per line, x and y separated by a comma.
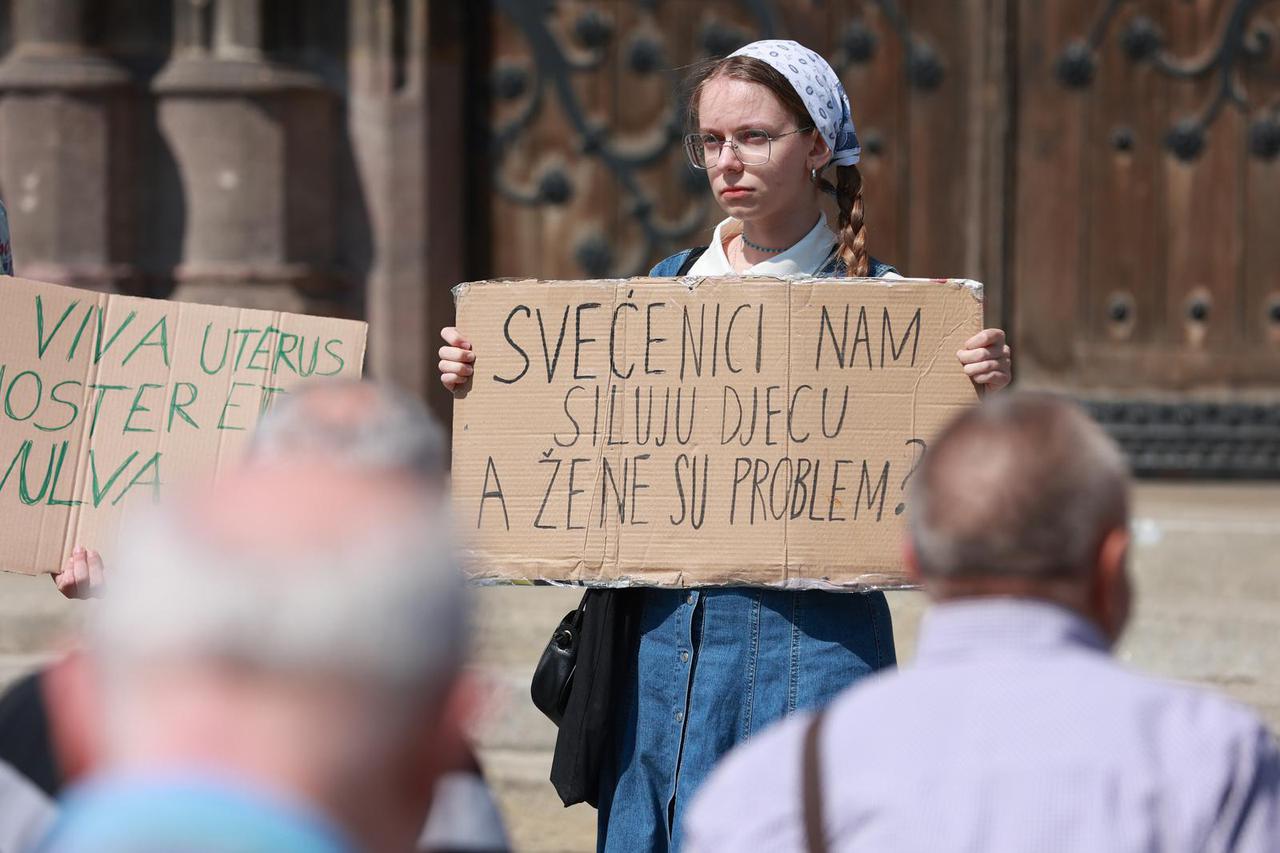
<point>1023,487</point>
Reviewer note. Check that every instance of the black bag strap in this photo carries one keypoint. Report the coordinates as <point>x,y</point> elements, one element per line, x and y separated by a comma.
<point>689,261</point>
<point>811,785</point>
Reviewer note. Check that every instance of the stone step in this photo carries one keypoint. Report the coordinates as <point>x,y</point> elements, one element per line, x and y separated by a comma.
<point>510,721</point>
<point>537,822</point>
<point>33,614</point>
<point>13,667</point>
<point>1206,567</point>
<point>513,623</point>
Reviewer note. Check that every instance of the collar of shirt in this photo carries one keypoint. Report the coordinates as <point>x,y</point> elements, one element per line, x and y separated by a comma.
<point>171,809</point>
<point>978,626</point>
<point>806,257</point>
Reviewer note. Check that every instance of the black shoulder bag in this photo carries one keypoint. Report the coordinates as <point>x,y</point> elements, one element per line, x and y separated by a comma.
<point>576,684</point>
<point>553,676</point>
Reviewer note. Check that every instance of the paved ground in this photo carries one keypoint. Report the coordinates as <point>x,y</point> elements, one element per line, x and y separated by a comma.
<point>1208,576</point>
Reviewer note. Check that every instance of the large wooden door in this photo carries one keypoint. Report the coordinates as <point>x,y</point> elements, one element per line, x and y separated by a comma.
<point>1148,192</point>
<point>1146,240</point>
<point>588,113</point>
<point>1108,167</point>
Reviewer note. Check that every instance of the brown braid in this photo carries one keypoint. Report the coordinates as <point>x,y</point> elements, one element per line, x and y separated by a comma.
<point>853,230</point>
<point>851,241</point>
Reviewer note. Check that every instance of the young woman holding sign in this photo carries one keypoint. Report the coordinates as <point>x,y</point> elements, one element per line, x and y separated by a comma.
<point>713,666</point>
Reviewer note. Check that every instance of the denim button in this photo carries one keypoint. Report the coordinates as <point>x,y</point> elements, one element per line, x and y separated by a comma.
<point>684,657</point>
<point>689,600</point>
<point>679,716</point>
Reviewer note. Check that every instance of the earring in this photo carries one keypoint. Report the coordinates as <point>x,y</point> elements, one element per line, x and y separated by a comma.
<point>813,175</point>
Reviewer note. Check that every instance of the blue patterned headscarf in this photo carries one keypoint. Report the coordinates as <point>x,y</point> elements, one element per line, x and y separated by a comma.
<point>819,87</point>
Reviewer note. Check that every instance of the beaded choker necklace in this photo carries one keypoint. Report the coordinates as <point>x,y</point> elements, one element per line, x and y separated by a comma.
<point>758,247</point>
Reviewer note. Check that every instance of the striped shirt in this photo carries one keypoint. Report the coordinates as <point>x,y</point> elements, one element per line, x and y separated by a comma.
<point>1014,730</point>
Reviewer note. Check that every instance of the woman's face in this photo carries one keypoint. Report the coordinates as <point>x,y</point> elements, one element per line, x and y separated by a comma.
<point>780,187</point>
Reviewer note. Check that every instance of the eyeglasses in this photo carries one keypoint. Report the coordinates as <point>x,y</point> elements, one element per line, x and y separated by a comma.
<point>752,147</point>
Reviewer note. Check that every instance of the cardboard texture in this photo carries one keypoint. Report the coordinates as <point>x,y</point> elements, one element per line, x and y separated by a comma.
<point>107,401</point>
<point>699,432</point>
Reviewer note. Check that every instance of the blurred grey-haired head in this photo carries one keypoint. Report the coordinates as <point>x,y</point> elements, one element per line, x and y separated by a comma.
<point>294,569</point>
<point>1023,485</point>
<point>352,422</point>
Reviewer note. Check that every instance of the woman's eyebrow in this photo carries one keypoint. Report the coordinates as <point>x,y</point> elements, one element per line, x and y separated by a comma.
<point>755,125</point>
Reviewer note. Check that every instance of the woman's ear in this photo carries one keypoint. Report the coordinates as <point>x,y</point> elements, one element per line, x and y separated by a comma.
<point>819,154</point>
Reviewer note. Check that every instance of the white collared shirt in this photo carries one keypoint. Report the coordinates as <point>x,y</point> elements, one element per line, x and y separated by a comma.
<point>805,257</point>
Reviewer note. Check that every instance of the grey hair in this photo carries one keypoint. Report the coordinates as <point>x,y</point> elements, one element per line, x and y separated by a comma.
<point>385,604</point>
<point>353,422</point>
<point>1022,485</point>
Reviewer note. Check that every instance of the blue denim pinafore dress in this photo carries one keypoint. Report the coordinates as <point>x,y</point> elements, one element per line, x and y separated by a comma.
<point>714,666</point>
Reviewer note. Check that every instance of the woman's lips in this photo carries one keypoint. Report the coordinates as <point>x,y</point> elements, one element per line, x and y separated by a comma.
<point>734,192</point>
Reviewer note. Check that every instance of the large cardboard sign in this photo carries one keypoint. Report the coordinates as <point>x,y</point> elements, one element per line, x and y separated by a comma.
<point>702,431</point>
<point>106,401</point>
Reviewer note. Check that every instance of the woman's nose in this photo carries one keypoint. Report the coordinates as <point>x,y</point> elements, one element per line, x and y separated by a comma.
<point>728,160</point>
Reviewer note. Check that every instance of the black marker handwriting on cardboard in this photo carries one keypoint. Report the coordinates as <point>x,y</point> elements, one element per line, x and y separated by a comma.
<point>901,507</point>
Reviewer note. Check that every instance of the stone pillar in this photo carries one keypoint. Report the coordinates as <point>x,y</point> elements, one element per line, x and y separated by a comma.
<point>407,126</point>
<point>68,165</point>
<point>253,141</point>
